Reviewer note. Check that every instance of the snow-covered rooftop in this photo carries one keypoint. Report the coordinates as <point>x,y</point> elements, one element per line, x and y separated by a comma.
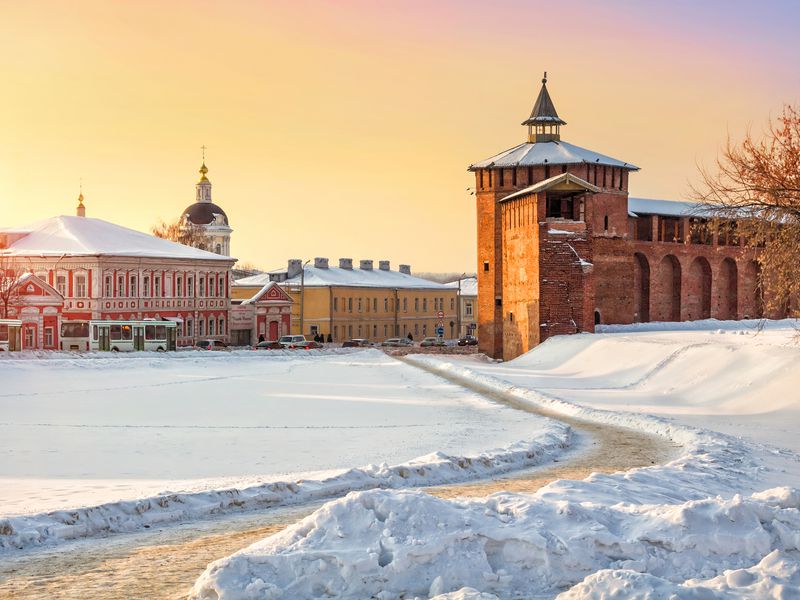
<point>566,179</point>
<point>83,236</point>
<point>336,276</point>
<point>554,153</point>
<point>469,286</point>
<point>667,208</point>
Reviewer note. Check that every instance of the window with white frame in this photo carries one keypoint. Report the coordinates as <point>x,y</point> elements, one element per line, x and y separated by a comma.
<point>61,284</point>
<point>109,286</point>
<point>179,291</point>
<point>80,286</point>
<point>48,337</point>
<point>132,287</point>
<point>157,286</point>
<point>210,326</point>
<point>468,308</point>
<point>121,286</point>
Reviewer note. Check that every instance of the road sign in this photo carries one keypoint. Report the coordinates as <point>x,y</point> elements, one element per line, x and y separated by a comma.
<point>440,314</point>
<point>440,331</point>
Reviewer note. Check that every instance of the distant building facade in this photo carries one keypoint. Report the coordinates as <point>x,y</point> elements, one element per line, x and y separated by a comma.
<point>266,314</point>
<point>359,302</point>
<point>561,247</point>
<point>467,315</point>
<point>87,269</point>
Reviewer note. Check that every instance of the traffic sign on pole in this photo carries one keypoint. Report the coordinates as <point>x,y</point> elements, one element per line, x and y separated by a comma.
<point>440,331</point>
<point>440,314</point>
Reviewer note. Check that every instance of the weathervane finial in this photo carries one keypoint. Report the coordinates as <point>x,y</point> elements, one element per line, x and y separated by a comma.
<point>544,79</point>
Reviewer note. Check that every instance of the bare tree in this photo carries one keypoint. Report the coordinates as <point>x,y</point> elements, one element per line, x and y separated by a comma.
<point>755,192</point>
<point>183,232</point>
<point>10,271</point>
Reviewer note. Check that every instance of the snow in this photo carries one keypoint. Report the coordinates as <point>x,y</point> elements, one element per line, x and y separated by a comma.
<point>83,236</point>
<point>336,276</point>
<point>669,208</point>
<point>721,520</point>
<point>469,286</point>
<point>96,443</point>
<point>554,153</point>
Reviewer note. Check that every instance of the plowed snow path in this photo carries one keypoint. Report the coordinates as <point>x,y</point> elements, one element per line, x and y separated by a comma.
<point>165,563</point>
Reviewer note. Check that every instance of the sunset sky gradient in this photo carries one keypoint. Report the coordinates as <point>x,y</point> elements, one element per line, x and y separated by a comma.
<point>345,128</point>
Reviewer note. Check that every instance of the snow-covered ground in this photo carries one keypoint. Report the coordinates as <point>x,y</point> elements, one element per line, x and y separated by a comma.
<point>100,442</point>
<point>722,520</point>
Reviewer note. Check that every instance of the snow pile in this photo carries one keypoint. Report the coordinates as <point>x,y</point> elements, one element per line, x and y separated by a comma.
<point>776,576</point>
<point>698,516</point>
<point>23,531</point>
<point>386,545</point>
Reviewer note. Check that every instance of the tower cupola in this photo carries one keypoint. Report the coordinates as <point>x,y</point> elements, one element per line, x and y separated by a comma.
<point>81,209</point>
<point>544,123</point>
<point>203,187</point>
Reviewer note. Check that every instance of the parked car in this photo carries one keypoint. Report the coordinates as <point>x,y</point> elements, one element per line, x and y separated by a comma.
<point>306,345</point>
<point>468,340</point>
<point>211,345</point>
<point>356,343</point>
<point>391,342</point>
<point>288,340</point>
<point>268,346</point>
<point>431,341</point>
<point>405,342</point>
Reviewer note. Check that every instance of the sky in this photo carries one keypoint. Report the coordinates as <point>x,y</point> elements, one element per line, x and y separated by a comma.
<point>345,129</point>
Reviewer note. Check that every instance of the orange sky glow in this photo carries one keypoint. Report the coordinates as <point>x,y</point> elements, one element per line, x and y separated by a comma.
<point>346,128</point>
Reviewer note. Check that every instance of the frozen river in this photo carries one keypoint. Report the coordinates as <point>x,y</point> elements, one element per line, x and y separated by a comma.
<point>78,431</point>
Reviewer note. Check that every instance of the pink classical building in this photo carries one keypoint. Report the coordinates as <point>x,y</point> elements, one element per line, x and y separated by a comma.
<point>85,269</point>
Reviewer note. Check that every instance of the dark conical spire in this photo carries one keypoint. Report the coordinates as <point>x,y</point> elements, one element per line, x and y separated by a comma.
<point>543,124</point>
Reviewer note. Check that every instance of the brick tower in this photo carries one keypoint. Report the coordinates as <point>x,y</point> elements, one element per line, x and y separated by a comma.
<point>538,205</point>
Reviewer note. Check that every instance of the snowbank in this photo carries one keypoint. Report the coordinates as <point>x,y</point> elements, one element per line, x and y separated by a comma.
<point>656,529</point>
<point>23,531</point>
<point>776,576</point>
<point>392,545</point>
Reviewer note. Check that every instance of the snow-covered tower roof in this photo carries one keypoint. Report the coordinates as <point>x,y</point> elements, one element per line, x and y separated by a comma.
<point>544,122</point>
<point>544,145</point>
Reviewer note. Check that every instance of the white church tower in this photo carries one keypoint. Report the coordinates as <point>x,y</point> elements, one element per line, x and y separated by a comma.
<point>209,216</point>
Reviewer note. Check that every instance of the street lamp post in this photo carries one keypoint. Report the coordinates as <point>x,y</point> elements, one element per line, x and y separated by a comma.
<point>303,295</point>
<point>458,304</point>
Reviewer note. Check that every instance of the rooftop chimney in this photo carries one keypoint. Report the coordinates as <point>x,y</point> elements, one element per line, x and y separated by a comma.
<point>321,263</point>
<point>405,269</point>
<point>384,265</point>
<point>294,267</point>
<point>346,263</point>
<point>365,265</point>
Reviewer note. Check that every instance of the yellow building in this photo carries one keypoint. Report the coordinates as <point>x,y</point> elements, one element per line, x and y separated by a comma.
<point>362,302</point>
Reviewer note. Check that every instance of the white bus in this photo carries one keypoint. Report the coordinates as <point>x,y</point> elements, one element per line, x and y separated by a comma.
<point>75,336</point>
<point>130,336</point>
<point>10,334</point>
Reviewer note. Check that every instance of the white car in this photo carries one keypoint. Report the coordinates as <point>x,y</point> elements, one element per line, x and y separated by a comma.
<point>291,340</point>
